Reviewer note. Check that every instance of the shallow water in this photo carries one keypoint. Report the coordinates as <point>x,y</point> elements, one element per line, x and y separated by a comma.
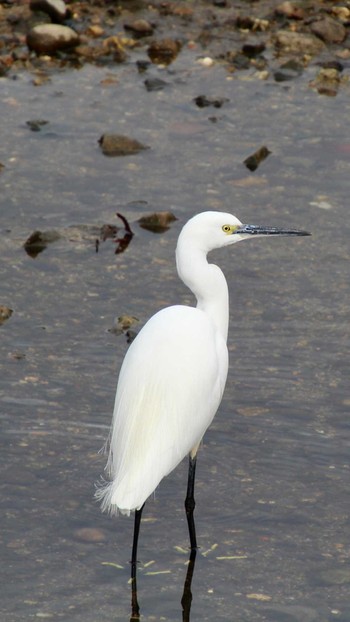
<point>272,479</point>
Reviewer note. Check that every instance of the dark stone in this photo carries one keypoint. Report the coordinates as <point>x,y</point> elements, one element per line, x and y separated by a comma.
<point>154,84</point>
<point>252,50</point>
<point>253,161</point>
<point>36,124</point>
<point>202,101</point>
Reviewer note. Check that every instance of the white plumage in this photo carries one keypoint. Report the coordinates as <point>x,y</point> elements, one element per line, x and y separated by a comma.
<point>156,419</point>
<point>174,373</point>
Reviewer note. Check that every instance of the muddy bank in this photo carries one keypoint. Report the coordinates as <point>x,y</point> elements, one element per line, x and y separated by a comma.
<point>277,39</point>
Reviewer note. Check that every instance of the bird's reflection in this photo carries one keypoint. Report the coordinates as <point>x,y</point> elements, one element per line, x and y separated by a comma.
<point>186,600</point>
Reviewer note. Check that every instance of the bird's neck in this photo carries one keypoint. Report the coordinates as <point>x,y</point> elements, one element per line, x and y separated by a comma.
<point>208,284</point>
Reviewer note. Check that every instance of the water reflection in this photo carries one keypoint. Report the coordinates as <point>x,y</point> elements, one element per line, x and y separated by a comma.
<point>186,599</point>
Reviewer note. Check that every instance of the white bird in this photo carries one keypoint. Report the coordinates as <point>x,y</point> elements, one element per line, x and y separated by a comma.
<point>173,376</point>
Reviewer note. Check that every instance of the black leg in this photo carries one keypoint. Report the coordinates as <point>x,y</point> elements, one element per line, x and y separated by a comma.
<point>190,502</point>
<point>135,609</point>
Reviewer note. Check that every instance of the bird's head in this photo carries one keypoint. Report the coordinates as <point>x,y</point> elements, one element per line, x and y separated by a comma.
<point>210,230</point>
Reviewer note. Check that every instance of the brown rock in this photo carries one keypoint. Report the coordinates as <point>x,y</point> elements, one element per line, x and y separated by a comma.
<point>5,313</point>
<point>298,43</point>
<point>290,10</point>
<point>55,9</point>
<point>50,38</point>
<point>327,82</point>
<point>140,28</point>
<point>117,145</point>
<point>164,51</point>
<point>329,30</point>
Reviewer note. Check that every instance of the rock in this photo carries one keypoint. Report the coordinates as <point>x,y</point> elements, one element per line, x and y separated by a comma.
<point>5,313</point>
<point>123,323</point>
<point>244,22</point>
<point>118,145</point>
<point>164,51</point>
<point>289,42</point>
<point>113,45</point>
<point>329,30</point>
<point>154,84</point>
<point>142,65</point>
<point>238,60</point>
<point>253,161</point>
<point>174,8</point>
<point>38,241</point>
<point>327,82</point>
<point>288,71</point>
<point>202,101</point>
<point>332,64</point>
<point>252,50</point>
<point>50,38</point>
<point>290,10</point>
<point>55,9</point>
<point>342,12</point>
<point>36,124</point>
<point>158,222</point>
<point>95,31</point>
<point>139,28</point>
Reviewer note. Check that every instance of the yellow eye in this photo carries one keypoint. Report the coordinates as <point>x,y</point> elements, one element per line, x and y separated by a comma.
<point>227,228</point>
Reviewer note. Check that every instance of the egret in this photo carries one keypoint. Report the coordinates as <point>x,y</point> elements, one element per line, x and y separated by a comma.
<point>173,376</point>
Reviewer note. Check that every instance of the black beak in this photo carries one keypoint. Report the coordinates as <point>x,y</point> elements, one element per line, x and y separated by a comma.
<point>258,230</point>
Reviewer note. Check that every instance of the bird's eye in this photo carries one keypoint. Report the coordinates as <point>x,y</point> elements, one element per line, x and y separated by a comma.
<point>226,228</point>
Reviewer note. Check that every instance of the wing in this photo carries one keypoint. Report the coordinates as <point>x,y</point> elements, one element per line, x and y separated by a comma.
<point>169,388</point>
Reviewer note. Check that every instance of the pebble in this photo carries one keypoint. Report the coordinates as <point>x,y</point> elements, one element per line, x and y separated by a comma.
<point>5,313</point>
<point>288,71</point>
<point>253,161</point>
<point>50,38</point>
<point>298,43</point>
<point>35,125</point>
<point>95,31</point>
<point>55,9</point>
<point>123,324</point>
<point>38,241</point>
<point>139,28</point>
<point>118,145</point>
<point>206,61</point>
<point>154,84</point>
<point>253,49</point>
<point>329,30</point>
<point>290,10</point>
<point>164,51</point>
<point>327,82</point>
<point>202,101</point>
